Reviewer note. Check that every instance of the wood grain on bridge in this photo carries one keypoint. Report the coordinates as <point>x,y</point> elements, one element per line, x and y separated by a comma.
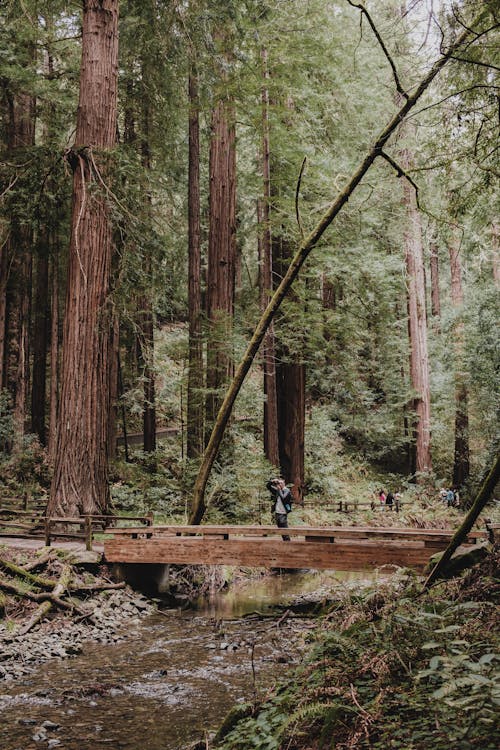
<point>339,548</point>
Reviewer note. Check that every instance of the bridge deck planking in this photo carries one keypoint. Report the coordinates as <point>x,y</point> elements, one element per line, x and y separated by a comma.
<point>266,553</point>
<point>261,546</point>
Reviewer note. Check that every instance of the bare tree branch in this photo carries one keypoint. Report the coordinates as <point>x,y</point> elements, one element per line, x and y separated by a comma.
<point>475,62</point>
<point>297,192</point>
<point>402,173</point>
<point>363,10</point>
<point>455,93</point>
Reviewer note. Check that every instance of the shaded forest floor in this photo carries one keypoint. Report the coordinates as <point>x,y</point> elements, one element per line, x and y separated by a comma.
<point>390,668</point>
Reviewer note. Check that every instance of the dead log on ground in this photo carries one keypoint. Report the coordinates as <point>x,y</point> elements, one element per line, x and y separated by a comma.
<point>43,583</point>
<point>45,607</point>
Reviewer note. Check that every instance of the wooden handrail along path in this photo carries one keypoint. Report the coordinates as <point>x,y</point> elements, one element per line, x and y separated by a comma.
<point>338,547</point>
<point>32,525</point>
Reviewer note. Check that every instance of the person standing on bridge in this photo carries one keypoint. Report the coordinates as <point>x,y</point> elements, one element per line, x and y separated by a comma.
<point>281,503</point>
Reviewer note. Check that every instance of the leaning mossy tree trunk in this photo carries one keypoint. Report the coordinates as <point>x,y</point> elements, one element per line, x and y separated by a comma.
<point>460,535</point>
<point>307,245</point>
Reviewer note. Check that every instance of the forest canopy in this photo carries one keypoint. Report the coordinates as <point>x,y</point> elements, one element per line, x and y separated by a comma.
<point>161,165</point>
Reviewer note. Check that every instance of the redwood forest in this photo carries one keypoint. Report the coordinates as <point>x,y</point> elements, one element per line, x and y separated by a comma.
<point>249,281</point>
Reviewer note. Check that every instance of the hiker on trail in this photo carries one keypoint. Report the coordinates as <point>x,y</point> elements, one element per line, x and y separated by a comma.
<point>389,500</point>
<point>442,495</point>
<point>450,498</point>
<point>381,497</point>
<point>281,503</point>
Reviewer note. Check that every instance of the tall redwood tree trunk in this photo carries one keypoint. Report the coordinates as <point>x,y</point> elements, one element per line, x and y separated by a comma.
<point>80,482</point>
<point>54,352</point>
<point>461,462</point>
<point>15,308</point>
<point>146,315</point>
<point>40,338</point>
<point>194,444</point>
<point>271,441</point>
<point>221,255</point>
<point>290,388</point>
<point>435,296</point>
<point>417,328</point>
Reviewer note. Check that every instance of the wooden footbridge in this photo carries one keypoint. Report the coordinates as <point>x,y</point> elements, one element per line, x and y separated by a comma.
<point>337,547</point>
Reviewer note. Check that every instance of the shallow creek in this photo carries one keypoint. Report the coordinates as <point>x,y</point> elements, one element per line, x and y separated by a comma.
<point>174,678</point>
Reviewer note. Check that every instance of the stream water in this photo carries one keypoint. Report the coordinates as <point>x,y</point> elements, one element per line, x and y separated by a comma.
<point>172,680</point>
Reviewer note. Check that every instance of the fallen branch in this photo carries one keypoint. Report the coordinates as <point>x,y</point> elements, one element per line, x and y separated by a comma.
<point>96,587</point>
<point>44,596</point>
<point>46,606</point>
<point>39,562</point>
<point>460,535</point>
<point>43,583</point>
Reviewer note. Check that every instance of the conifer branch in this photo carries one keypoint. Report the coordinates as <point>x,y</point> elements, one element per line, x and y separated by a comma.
<point>388,57</point>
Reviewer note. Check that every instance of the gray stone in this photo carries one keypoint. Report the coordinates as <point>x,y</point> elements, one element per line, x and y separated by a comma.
<point>52,725</point>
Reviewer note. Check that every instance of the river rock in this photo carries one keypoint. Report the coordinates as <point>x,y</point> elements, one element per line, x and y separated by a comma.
<point>51,725</point>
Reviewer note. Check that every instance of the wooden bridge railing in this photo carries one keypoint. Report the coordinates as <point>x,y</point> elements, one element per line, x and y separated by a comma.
<point>339,547</point>
<point>34,526</point>
<point>430,537</point>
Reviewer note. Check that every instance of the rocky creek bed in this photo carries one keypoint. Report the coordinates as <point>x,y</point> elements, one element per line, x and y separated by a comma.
<point>89,611</point>
<point>133,669</point>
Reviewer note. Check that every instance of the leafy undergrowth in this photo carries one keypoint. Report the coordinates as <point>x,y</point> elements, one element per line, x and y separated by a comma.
<point>392,668</point>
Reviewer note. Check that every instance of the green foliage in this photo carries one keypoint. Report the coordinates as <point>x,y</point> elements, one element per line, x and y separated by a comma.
<point>6,421</point>
<point>391,668</point>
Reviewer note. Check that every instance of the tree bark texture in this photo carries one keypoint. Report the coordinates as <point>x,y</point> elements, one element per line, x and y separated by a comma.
<point>54,353</point>
<point>435,296</point>
<point>271,441</point>
<point>221,255</point>
<point>291,382</point>
<point>461,462</point>
<point>16,305</point>
<point>80,483</point>
<point>417,326</point>
<point>113,387</point>
<point>195,394</point>
<point>306,246</point>
<point>41,319</point>
<point>146,315</point>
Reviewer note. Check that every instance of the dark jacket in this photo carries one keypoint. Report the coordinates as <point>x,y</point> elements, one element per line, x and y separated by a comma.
<point>285,495</point>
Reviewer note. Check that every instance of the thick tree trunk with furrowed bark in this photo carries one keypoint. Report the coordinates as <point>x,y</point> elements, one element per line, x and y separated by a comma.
<point>80,482</point>
<point>221,255</point>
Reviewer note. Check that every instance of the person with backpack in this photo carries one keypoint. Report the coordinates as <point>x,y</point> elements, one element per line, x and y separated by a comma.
<point>281,503</point>
<point>450,498</point>
<point>389,500</point>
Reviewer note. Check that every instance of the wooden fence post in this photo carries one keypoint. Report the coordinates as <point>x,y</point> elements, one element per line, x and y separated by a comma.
<point>150,518</point>
<point>88,532</point>
<point>47,532</point>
